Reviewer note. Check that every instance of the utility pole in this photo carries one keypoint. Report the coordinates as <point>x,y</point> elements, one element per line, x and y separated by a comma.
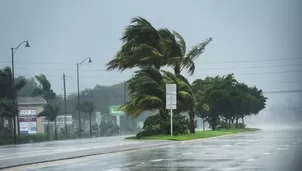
<point>65,104</point>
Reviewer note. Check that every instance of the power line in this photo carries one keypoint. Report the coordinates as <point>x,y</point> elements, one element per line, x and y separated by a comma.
<point>208,69</point>
<point>283,91</point>
<point>259,73</point>
<point>212,62</point>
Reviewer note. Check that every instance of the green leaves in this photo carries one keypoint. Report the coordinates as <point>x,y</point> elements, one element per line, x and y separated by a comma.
<point>86,106</point>
<point>145,46</point>
<point>50,112</point>
<point>44,88</point>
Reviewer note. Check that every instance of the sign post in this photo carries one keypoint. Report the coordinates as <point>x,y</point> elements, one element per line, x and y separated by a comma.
<point>171,102</point>
<point>98,121</point>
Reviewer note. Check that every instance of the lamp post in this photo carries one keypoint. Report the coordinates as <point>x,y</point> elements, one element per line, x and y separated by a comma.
<point>15,105</point>
<point>78,84</point>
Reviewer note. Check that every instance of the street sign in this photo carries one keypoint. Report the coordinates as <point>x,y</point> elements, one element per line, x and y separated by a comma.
<point>171,89</point>
<point>171,99</point>
<point>171,102</point>
<point>98,117</point>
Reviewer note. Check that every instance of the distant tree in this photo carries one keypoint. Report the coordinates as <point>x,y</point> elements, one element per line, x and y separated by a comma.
<point>44,90</point>
<point>88,107</point>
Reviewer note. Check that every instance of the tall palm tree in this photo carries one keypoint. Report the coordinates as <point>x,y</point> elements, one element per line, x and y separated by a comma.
<point>44,90</point>
<point>6,96</point>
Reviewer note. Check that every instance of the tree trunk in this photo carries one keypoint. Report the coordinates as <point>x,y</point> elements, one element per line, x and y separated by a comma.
<point>237,122</point>
<point>203,124</point>
<point>47,130</point>
<point>230,123</point>
<point>242,119</point>
<point>56,134</point>
<point>192,122</point>
<point>90,129</point>
<point>177,69</point>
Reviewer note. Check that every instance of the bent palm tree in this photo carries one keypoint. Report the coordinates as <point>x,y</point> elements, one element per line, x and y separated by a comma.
<point>145,46</point>
<point>142,47</point>
<point>147,92</point>
<point>44,88</point>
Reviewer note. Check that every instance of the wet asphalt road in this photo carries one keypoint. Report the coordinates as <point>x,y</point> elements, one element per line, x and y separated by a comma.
<point>262,151</point>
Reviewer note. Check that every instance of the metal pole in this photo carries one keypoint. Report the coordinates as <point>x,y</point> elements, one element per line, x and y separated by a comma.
<point>79,112</point>
<point>171,115</point>
<point>65,104</point>
<point>13,96</point>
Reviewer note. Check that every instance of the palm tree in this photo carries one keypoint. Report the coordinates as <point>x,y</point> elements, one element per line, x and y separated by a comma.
<point>7,106</point>
<point>44,90</point>
<point>50,113</point>
<point>147,93</point>
<point>88,107</point>
<point>144,46</point>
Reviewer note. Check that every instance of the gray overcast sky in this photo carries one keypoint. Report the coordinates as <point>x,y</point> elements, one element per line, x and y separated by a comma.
<point>62,33</point>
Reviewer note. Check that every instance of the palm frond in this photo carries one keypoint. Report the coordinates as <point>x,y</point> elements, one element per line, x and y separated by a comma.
<point>197,50</point>
<point>181,42</point>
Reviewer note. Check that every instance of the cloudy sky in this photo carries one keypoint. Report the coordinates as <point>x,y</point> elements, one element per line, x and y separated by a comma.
<point>255,39</point>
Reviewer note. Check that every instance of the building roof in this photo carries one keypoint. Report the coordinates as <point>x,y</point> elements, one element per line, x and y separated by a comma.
<point>30,100</point>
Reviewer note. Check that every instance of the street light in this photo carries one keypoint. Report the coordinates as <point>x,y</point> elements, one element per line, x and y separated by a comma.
<point>78,83</point>
<point>15,105</point>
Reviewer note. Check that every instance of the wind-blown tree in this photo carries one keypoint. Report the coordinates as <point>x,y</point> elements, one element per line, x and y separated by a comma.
<point>50,113</point>
<point>6,96</point>
<point>145,46</point>
<point>88,107</point>
<point>257,101</point>
<point>214,91</point>
<point>44,90</point>
<point>147,93</point>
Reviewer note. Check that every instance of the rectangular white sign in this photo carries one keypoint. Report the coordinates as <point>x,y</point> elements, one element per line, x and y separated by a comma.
<point>171,89</point>
<point>98,117</point>
<point>171,101</point>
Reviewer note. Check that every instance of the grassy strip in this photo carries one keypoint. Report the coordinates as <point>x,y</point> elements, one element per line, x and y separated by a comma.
<point>197,135</point>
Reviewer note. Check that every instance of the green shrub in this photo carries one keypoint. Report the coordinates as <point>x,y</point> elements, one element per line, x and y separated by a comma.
<point>155,125</point>
<point>31,138</point>
<point>241,125</point>
<point>6,136</point>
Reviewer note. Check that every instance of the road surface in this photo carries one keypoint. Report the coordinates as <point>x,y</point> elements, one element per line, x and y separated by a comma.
<point>262,150</point>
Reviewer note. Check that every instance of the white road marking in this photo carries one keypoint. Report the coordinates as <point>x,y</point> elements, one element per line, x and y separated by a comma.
<point>267,153</point>
<point>250,160</point>
<point>158,160</point>
<point>187,153</point>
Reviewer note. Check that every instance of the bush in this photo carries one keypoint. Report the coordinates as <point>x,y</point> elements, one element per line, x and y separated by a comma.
<point>6,136</point>
<point>31,138</point>
<point>154,125</point>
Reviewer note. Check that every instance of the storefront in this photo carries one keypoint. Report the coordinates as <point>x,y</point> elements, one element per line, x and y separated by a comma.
<point>29,108</point>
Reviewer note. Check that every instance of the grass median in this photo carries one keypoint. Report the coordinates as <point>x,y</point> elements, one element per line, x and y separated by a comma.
<point>197,135</point>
